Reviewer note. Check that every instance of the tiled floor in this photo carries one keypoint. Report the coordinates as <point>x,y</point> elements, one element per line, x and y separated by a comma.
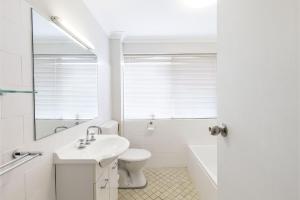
<point>163,184</point>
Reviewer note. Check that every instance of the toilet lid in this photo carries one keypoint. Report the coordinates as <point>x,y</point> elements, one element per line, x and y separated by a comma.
<point>135,155</point>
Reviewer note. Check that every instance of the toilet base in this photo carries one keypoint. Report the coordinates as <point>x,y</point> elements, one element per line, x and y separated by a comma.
<point>132,187</point>
<point>131,180</point>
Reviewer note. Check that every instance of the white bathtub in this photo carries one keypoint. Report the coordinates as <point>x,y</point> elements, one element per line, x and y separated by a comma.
<point>202,166</point>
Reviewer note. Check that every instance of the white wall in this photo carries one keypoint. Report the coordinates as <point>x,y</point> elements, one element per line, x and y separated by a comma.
<point>59,48</point>
<point>298,64</point>
<point>142,45</point>
<point>168,143</point>
<point>116,60</point>
<point>35,180</point>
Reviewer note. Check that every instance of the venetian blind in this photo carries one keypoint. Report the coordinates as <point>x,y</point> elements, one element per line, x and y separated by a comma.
<point>66,86</point>
<point>170,86</point>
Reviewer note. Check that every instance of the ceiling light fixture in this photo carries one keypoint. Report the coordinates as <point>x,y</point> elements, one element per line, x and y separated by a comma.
<point>198,4</point>
<point>68,33</point>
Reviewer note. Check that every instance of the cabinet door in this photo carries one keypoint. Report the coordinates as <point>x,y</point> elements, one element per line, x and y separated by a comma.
<point>114,181</point>
<point>102,188</point>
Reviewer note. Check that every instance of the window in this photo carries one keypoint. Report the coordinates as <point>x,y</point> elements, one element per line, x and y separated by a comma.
<point>66,86</point>
<point>170,86</point>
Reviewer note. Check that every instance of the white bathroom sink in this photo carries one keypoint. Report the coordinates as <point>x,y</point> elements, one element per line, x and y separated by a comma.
<point>104,150</point>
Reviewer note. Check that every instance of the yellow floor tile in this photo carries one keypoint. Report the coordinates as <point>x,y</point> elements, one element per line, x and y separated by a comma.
<point>163,184</point>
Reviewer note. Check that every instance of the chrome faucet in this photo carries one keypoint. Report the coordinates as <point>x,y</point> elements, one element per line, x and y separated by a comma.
<point>88,141</point>
<point>97,127</point>
<point>59,127</point>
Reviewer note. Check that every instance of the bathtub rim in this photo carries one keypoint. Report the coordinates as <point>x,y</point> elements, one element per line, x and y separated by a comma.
<point>212,176</point>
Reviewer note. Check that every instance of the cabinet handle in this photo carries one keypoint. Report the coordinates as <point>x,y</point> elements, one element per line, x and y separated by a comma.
<point>104,186</point>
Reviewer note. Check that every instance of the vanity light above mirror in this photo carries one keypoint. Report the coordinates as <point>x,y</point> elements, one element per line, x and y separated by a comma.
<point>58,23</point>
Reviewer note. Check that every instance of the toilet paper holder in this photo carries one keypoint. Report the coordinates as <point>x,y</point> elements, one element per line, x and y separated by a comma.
<point>150,125</point>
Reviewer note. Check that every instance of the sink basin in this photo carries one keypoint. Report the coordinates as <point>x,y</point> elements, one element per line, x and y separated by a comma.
<point>104,150</point>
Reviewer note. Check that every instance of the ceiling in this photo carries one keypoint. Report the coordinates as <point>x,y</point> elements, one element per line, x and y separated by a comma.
<point>155,18</point>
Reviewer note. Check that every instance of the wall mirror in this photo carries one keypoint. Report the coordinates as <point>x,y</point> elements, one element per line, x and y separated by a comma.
<point>65,79</point>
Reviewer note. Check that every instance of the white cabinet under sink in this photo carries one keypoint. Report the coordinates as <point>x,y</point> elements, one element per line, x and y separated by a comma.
<point>87,181</point>
<point>90,173</point>
<point>114,181</point>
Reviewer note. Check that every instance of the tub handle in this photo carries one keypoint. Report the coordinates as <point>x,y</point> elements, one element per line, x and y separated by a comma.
<point>216,130</point>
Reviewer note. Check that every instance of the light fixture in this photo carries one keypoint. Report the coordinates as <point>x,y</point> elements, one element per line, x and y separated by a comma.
<point>198,4</point>
<point>68,33</point>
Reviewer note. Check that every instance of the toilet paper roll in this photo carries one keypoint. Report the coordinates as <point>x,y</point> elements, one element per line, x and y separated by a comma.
<point>150,128</point>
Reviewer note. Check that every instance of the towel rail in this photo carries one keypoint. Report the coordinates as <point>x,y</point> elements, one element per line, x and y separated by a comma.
<point>20,158</point>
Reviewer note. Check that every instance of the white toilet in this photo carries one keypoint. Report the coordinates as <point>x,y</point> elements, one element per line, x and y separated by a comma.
<point>131,165</point>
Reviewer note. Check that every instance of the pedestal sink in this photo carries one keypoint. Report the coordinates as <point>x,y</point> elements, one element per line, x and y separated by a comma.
<point>104,150</point>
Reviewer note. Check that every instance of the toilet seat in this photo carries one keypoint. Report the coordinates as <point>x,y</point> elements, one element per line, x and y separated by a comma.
<point>133,155</point>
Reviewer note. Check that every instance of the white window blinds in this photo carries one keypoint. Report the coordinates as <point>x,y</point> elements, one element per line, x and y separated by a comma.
<point>66,86</point>
<point>170,86</point>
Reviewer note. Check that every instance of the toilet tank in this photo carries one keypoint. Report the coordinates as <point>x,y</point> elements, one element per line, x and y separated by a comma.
<point>110,128</point>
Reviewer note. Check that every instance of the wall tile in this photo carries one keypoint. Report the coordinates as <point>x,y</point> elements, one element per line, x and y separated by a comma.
<point>26,48</point>
<point>1,135</point>
<point>17,105</point>
<point>12,187</point>
<point>169,139</point>
<point>28,128</point>
<point>16,121</point>
<point>11,10</point>
<point>27,66</point>
<point>171,146</point>
<point>12,37</point>
<point>11,70</point>
<point>12,131</point>
<point>135,127</point>
<point>2,9</point>
<point>2,22</point>
<point>1,100</point>
<point>39,179</point>
<point>136,141</point>
<point>167,160</point>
